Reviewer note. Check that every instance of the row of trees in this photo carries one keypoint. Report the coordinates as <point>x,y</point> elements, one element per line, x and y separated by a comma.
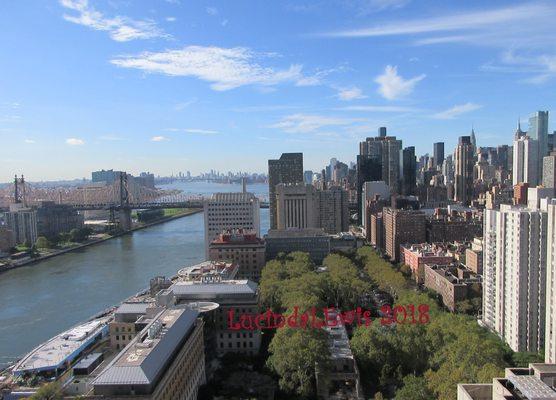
<point>421,362</point>
<point>292,281</point>
<point>75,236</point>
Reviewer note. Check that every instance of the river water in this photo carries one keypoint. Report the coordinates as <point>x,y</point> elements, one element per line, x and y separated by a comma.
<point>41,300</point>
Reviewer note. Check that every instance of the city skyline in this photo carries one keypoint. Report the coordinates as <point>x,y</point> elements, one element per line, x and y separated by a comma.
<point>159,87</point>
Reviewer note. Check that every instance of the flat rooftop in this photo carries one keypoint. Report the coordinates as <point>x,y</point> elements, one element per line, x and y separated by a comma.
<point>143,359</point>
<point>61,348</point>
<point>214,289</point>
<point>532,388</point>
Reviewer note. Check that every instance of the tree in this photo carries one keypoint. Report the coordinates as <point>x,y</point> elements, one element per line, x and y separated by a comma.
<point>294,355</point>
<point>49,391</point>
<point>79,235</point>
<point>42,243</point>
<point>345,286</point>
<point>414,388</point>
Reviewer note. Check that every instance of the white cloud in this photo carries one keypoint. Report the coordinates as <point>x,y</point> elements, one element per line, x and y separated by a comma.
<point>224,22</point>
<point>159,139</point>
<point>171,19</point>
<point>306,123</point>
<point>224,68</point>
<point>393,86</point>
<point>353,93</point>
<point>365,7</point>
<point>456,111</point>
<point>452,22</point>
<point>29,141</point>
<point>212,10</point>
<point>185,104</point>
<point>75,142</point>
<point>383,109</point>
<point>120,28</point>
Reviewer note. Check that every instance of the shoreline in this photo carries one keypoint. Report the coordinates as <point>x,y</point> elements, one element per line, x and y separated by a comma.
<point>97,241</point>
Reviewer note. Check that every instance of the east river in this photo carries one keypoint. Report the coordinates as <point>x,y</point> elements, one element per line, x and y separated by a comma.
<point>42,300</point>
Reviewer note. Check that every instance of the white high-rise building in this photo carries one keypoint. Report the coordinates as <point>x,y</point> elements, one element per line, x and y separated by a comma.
<point>550,341</point>
<point>514,275</point>
<point>230,211</point>
<point>525,161</point>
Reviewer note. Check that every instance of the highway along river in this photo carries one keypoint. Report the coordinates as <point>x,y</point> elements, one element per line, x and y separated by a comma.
<point>41,300</point>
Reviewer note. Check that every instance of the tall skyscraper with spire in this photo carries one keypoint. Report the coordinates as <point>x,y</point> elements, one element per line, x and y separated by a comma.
<point>473,138</point>
<point>464,161</point>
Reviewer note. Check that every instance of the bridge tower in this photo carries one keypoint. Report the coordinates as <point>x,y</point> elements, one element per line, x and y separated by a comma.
<point>19,190</point>
<point>124,210</point>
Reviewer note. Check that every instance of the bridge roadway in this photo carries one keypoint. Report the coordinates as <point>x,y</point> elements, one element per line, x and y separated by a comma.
<point>147,205</point>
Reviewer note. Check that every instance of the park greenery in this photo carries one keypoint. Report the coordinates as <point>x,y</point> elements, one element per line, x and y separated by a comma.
<point>401,361</point>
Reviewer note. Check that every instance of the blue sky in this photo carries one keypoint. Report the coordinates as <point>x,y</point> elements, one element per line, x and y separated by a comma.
<point>175,85</point>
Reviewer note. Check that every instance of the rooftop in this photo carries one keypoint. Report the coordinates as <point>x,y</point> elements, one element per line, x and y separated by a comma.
<point>532,388</point>
<point>214,289</point>
<point>61,348</point>
<point>226,270</point>
<point>143,359</point>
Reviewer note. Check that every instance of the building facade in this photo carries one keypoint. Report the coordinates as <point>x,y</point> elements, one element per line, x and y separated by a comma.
<point>243,248</point>
<point>514,275</point>
<point>287,169</point>
<point>463,170</point>
<point>402,227</point>
<point>230,211</point>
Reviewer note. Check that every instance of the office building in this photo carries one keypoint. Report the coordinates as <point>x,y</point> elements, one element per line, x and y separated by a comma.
<point>537,382</point>
<point>333,210</point>
<point>379,159</point>
<point>438,154</point>
<point>514,275</point>
<point>124,327</point>
<point>448,169</point>
<point>313,241</point>
<point>22,221</point>
<point>402,227</point>
<point>296,206</point>
<point>243,248</point>
<point>308,177</point>
<point>409,171</point>
<point>463,170</point>
<point>525,161</point>
<point>287,169</point>
<point>377,231</point>
<point>106,176</point>
<point>549,171</point>
<point>230,211</point>
<point>241,296</point>
<point>538,130</point>
<point>165,361</point>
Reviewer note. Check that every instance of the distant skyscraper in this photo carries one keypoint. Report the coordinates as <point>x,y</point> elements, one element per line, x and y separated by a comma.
<point>473,139</point>
<point>538,129</point>
<point>308,176</point>
<point>382,131</point>
<point>525,163</point>
<point>409,171</point>
<point>438,150</point>
<point>391,152</point>
<point>287,169</point>
<point>463,170</point>
<point>448,169</point>
<point>514,275</point>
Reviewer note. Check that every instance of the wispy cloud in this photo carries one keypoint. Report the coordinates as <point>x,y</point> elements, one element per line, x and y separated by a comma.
<point>75,142</point>
<point>352,93</point>
<point>456,111</point>
<point>120,28</point>
<point>366,7</point>
<point>451,22</point>
<point>185,104</point>
<point>224,68</point>
<point>393,86</point>
<point>212,11</point>
<point>171,19</point>
<point>29,141</point>
<point>307,123</point>
<point>159,139</point>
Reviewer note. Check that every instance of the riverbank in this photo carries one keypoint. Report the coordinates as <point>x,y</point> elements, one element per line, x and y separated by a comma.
<point>31,261</point>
